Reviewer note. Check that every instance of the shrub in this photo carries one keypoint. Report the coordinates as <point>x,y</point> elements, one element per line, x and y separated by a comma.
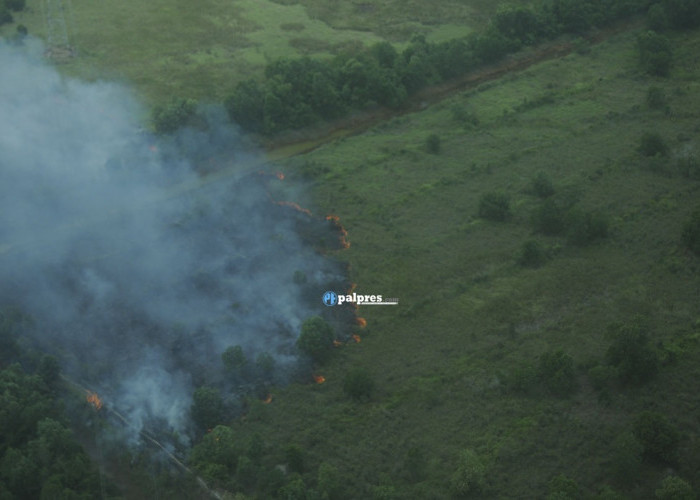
<point>657,19</point>
<point>556,372</point>
<point>549,218</point>
<point>175,114</point>
<point>655,53</point>
<point>675,488</point>
<point>316,338</point>
<point>16,5</point>
<point>432,144</point>
<point>532,254</point>
<point>601,375</point>
<point>657,435</point>
<point>358,384</point>
<point>234,359</point>
<point>630,353</point>
<point>656,98</point>
<point>585,228</point>
<point>562,487</point>
<point>626,458</point>
<point>5,15</point>
<point>652,144</point>
<point>207,407</point>
<point>691,233</point>
<point>684,14</point>
<point>470,477</point>
<point>542,185</point>
<point>494,206</point>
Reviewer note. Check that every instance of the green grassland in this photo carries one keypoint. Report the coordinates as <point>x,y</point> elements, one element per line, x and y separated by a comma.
<point>447,360</point>
<point>201,50</point>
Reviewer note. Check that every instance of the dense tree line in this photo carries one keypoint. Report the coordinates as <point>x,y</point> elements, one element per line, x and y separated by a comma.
<point>299,92</point>
<point>39,458</point>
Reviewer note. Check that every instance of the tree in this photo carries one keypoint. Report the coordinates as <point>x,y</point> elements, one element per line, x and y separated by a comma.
<point>657,435</point>
<point>470,477</point>
<point>329,482</point>
<point>518,23</point>
<point>234,359</point>
<point>656,98</point>
<point>245,106</point>
<point>562,487</point>
<point>652,144</point>
<point>542,185</point>
<point>690,236</point>
<point>675,488</point>
<point>176,113</point>
<point>494,206</point>
<point>49,370</point>
<point>15,5</point>
<point>432,144</point>
<point>549,218</point>
<point>316,338</point>
<point>586,227</point>
<point>207,407</point>
<point>556,372</point>
<point>5,15</point>
<point>532,254</point>
<point>626,458</point>
<point>657,18</point>
<point>358,384</point>
<point>683,14</point>
<point>295,458</point>
<point>630,353</point>
<point>655,53</point>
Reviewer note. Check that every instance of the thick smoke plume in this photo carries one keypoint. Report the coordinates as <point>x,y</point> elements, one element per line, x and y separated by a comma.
<point>137,272</point>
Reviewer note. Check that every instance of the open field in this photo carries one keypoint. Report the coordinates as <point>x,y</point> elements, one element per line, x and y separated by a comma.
<point>445,359</point>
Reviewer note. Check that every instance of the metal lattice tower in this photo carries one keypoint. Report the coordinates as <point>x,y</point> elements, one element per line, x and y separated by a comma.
<point>56,13</point>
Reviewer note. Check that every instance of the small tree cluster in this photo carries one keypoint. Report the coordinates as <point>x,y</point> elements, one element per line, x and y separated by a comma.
<point>652,144</point>
<point>655,53</point>
<point>630,353</point>
<point>175,114</point>
<point>316,338</point>
<point>532,254</point>
<point>494,206</point>
<point>358,384</point>
<point>556,372</point>
<point>470,477</point>
<point>690,235</point>
<point>657,435</point>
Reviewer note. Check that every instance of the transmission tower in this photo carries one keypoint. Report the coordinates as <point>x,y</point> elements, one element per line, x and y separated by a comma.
<point>57,28</point>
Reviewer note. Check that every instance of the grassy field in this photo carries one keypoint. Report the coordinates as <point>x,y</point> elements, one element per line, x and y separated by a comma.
<point>470,317</point>
<point>200,50</point>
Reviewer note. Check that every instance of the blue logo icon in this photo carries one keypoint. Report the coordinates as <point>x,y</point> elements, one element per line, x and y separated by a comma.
<point>330,298</point>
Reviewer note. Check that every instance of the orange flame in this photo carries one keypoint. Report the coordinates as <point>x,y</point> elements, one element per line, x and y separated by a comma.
<point>94,400</point>
<point>268,399</point>
<point>280,176</point>
<point>319,379</point>
<point>361,321</point>
<point>337,343</point>
<point>295,206</point>
<point>357,338</point>
<point>343,233</point>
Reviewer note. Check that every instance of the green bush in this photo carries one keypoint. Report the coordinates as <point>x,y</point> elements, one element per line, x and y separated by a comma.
<point>652,144</point>
<point>600,376</point>
<point>683,14</point>
<point>316,338</point>
<point>586,228</point>
<point>675,488</point>
<point>470,477</point>
<point>655,53</point>
<point>532,254</point>
<point>656,98</point>
<point>175,114</point>
<point>358,384</point>
<point>636,362</point>
<point>556,372</point>
<point>432,144</point>
<point>690,235</point>
<point>657,19</point>
<point>16,5</point>
<point>562,487</point>
<point>494,206</point>
<point>549,218</point>
<point>626,458</point>
<point>207,408</point>
<point>657,435</point>
<point>542,185</point>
